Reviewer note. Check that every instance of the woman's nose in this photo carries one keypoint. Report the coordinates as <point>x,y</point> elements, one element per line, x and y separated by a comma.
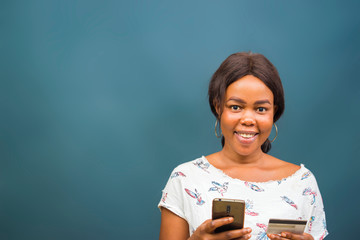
<point>247,119</point>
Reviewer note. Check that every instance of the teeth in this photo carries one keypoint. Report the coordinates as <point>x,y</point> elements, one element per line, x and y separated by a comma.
<point>247,135</point>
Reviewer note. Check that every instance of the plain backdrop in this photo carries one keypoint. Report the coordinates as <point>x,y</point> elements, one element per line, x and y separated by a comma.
<point>100,100</point>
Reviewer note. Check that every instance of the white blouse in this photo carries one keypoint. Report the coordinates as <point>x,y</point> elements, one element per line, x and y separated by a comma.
<point>193,185</point>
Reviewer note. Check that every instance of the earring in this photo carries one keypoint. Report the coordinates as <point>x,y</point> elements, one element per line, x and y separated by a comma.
<point>276,129</point>
<point>216,134</point>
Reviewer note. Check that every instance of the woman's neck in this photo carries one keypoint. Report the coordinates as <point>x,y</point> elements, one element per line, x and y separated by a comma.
<point>232,158</point>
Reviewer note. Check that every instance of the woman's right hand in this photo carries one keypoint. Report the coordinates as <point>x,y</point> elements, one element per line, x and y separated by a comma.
<point>206,231</point>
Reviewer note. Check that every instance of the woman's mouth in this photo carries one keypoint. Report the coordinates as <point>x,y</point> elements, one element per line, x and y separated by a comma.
<point>246,137</point>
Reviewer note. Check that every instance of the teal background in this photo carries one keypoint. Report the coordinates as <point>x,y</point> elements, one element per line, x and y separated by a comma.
<point>100,100</point>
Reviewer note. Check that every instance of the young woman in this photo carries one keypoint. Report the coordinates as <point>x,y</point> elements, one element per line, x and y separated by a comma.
<point>246,96</point>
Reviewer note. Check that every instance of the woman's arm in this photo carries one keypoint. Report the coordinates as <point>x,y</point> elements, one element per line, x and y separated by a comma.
<point>172,226</point>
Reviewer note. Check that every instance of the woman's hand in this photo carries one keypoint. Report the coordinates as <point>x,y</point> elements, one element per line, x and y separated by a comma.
<point>206,231</point>
<point>288,235</point>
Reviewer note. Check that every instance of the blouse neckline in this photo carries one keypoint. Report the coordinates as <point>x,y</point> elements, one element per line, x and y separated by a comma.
<point>219,171</point>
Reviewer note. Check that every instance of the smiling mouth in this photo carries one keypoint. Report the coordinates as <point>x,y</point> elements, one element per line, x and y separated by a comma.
<point>246,135</point>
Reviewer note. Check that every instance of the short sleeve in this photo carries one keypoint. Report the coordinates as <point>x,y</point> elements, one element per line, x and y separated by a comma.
<point>317,221</point>
<point>172,197</point>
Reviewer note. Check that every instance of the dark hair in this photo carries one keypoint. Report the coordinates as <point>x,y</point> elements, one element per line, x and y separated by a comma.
<point>237,66</point>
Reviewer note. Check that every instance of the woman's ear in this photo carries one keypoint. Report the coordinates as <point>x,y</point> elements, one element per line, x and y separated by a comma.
<point>217,108</point>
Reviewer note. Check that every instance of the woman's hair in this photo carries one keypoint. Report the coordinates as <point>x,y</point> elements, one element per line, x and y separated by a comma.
<point>237,66</point>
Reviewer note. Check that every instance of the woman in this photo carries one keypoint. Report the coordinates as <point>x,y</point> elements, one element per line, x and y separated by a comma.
<point>246,96</point>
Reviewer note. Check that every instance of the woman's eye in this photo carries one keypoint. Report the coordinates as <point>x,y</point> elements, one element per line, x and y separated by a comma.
<point>235,107</point>
<point>261,109</point>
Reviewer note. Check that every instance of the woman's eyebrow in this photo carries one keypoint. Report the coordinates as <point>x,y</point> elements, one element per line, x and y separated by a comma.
<point>239,100</point>
<point>262,102</point>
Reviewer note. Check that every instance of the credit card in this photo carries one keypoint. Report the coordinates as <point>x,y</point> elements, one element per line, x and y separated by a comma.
<point>277,226</point>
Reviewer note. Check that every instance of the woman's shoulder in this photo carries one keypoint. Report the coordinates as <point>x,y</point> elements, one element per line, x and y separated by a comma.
<point>200,163</point>
<point>288,167</point>
<point>283,168</point>
<point>195,170</point>
<point>290,170</point>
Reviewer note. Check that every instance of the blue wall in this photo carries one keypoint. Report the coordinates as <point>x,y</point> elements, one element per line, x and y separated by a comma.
<point>100,100</point>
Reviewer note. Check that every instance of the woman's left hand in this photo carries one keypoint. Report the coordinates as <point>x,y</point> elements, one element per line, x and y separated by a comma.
<point>288,235</point>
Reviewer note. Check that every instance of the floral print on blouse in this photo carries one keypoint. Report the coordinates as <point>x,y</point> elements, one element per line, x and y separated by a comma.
<point>192,186</point>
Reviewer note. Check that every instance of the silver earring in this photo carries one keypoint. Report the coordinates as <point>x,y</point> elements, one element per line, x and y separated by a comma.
<point>276,129</point>
<point>216,134</point>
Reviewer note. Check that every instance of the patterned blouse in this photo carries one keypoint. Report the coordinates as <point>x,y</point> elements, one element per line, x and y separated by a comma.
<point>193,185</point>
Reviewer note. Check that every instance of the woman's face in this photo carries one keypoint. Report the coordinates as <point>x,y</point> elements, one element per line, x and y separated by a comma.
<point>247,116</point>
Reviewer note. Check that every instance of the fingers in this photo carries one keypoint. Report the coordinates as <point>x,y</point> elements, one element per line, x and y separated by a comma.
<point>206,231</point>
<point>241,234</point>
<point>275,237</point>
<point>288,235</point>
<point>211,225</point>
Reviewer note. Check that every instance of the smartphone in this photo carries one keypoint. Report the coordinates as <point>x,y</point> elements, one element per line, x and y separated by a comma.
<point>223,207</point>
